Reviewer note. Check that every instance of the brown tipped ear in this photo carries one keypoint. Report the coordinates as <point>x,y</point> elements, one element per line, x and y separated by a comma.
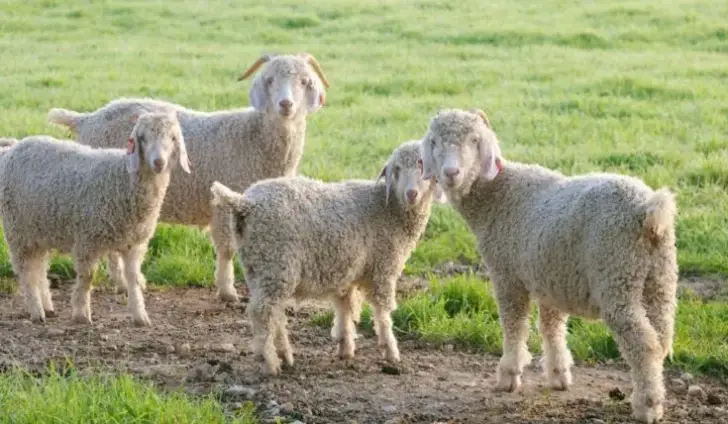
<point>387,174</point>
<point>316,67</point>
<point>428,163</point>
<point>254,67</point>
<point>483,116</point>
<point>133,155</point>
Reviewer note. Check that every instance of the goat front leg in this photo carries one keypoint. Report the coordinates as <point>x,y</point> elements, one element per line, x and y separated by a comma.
<point>557,358</point>
<point>513,305</point>
<point>133,259</point>
<point>384,302</point>
<point>81,296</point>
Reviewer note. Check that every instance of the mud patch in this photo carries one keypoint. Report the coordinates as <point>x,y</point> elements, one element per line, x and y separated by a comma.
<point>202,346</point>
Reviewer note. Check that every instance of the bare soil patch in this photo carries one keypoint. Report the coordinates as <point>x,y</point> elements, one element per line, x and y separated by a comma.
<point>203,346</point>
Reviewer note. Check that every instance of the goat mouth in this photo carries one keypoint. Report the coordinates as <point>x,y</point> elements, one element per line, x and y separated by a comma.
<point>285,112</point>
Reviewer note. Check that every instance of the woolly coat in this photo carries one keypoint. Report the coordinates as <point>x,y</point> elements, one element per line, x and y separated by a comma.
<point>78,198</point>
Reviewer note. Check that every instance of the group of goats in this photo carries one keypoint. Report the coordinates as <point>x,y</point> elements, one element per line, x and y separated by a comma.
<point>598,246</point>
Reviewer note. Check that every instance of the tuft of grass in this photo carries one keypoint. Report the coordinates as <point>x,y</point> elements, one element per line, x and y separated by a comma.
<point>462,310</point>
<point>62,396</point>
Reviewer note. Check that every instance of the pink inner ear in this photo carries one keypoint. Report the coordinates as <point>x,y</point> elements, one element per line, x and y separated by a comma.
<point>130,145</point>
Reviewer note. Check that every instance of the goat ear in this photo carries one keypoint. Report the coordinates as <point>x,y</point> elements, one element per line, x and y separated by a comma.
<point>387,174</point>
<point>184,161</point>
<point>133,155</point>
<point>428,163</point>
<point>315,96</point>
<point>490,154</point>
<point>484,117</point>
<point>258,95</point>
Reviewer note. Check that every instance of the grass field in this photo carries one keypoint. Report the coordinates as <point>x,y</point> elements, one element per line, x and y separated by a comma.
<point>632,87</point>
<point>62,396</point>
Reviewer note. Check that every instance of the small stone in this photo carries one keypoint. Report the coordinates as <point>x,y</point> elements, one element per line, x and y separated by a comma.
<point>448,348</point>
<point>202,372</point>
<point>104,337</point>
<point>386,369</point>
<point>616,394</point>
<point>394,421</point>
<point>287,408</point>
<point>55,332</point>
<point>679,386</point>
<point>236,405</point>
<point>224,347</point>
<point>389,408</point>
<point>238,392</point>
<point>696,391</point>
<point>687,377</point>
<point>169,348</point>
<point>296,422</point>
<point>116,331</point>
<point>184,349</point>
<point>713,399</point>
<point>308,411</point>
<point>596,421</point>
<point>704,411</point>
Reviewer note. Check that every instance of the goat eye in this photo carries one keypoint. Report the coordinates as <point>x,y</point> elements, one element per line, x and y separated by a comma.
<point>140,138</point>
<point>269,81</point>
<point>304,82</point>
<point>396,172</point>
<point>419,165</point>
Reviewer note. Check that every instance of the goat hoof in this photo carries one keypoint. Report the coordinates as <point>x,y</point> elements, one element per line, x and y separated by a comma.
<point>81,319</point>
<point>228,297</point>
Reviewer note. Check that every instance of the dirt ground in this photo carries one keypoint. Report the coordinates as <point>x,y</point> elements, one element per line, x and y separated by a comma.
<point>203,346</point>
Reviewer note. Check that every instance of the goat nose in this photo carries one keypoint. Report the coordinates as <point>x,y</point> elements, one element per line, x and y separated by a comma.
<point>411,195</point>
<point>285,103</point>
<point>451,172</point>
<point>158,164</point>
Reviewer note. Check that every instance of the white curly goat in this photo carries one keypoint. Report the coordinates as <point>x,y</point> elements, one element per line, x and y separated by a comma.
<point>302,238</point>
<point>88,202</point>
<point>596,246</point>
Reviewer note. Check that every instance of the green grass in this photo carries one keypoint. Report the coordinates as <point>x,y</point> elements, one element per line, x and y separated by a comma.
<point>632,87</point>
<point>637,88</point>
<point>66,397</point>
<point>461,310</point>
